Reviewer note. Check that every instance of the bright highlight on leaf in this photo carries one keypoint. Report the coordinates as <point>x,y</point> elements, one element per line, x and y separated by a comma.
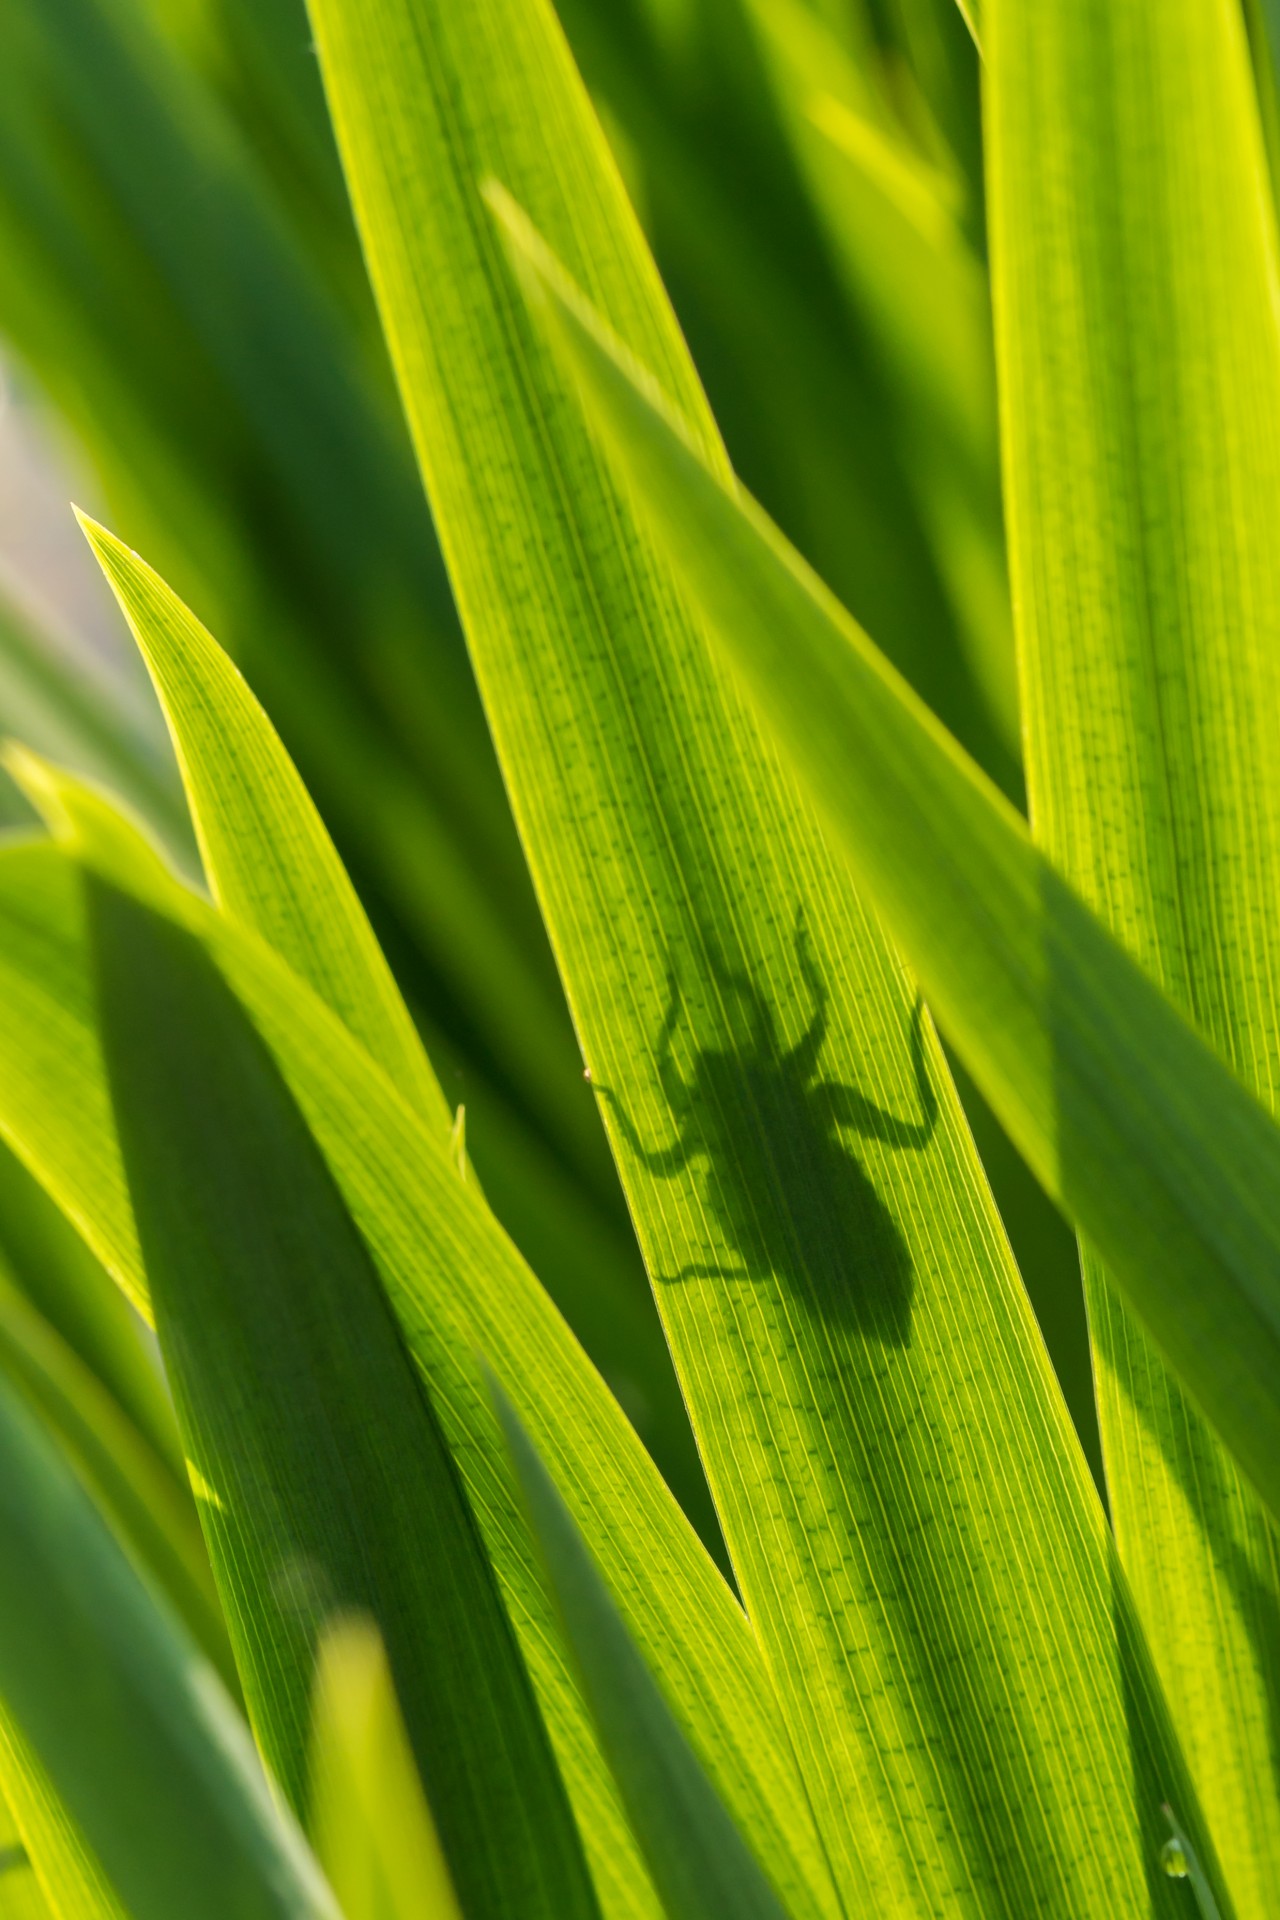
<point>369,1820</point>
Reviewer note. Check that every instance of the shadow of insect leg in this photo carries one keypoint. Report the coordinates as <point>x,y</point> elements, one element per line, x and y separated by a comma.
<point>696,1271</point>
<point>802,1060</point>
<point>845,1106</point>
<point>678,1092</point>
<point>662,1161</point>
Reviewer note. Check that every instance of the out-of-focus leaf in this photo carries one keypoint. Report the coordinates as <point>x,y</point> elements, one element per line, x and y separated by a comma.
<point>20,1894</point>
<point>1135,268</point>
<point>152,282</point>
<point>794,372</point>
<point>895,220</point>
<point>327,1485</point>
<point>700,1864</point>
<point>1157,1152</point>
<point>457,1286</point>
<point>133,1729</point>
<point>150,1509</point>
<point>67,1877</point>
<point>68,1287</point>
<point>58,698</point>
<point>370,1822</point>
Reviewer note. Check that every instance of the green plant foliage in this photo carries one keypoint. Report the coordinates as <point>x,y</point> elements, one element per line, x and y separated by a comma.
<point>1192,1235</point>
<point>1144,488</point>
<point>373,1828</point>
<point>123,1714</point>
<point>517,1390</point>
<point>696,1855</point>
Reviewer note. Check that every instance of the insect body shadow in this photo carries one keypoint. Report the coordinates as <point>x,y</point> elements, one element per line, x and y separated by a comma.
<point>785,1191</point>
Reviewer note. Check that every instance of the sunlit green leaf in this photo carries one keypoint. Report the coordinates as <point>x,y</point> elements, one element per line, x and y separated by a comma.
<point>1135,276</point>
<point>1170,1166</point>
<point>861,1365</point>
<point>456,1284</point>
<point>699,1861</point>
<point>371,1824</point>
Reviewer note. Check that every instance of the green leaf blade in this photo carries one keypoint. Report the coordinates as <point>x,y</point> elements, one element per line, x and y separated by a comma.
<point>135,1732</point>
<point>267,856</point>
<point>327,1484</point>
<point>456,1284</point>
<point>1005,947</point>
<point>682,881</point>
<point>1135,274</point>
<point>697,1857</point>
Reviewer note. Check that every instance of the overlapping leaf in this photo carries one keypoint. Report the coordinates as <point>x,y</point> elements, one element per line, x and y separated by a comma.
<point>1170,1165</point>
<point>1136,280</point>
<point>125,1718</point>
<point>891,1463</point>
<point>455,1283</point>
<point>272,865</point>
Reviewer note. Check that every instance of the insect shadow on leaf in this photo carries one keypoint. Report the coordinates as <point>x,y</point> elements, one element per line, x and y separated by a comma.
<point>783,1187</point>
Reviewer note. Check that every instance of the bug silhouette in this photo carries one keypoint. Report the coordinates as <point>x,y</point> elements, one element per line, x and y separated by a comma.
<point>786,1193</point>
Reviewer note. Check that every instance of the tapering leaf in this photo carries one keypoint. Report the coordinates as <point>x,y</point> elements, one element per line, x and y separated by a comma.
<point>1153,1146</point>
<point>133,1729</point>
<point>369,1819</point>
<point>327,1484</point>
<point>271,863</point>
<point>150,1509</point>
<point>1136,280</point>
<point>699,1861</point>
<point>456,1285</point>
<point>861,1365</point>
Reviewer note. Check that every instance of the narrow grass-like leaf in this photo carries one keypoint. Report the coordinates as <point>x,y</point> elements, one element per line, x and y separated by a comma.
<point>369,1820</point>
<point>328,1486</point>
<point>896,1478</point>
<point>1138,293</point>
<point>20,1895</point>
<point>150,1509</point>
<point>742,242</point>
<point>895,221</point>
<point>270,863</point>
<point>134,1730</point>
<point>57,1273</point>
<point>68,1881</point>
<point>457,1285</point>
<point>266,854</point>
<point>699,1861</point>
<point>1155,1149</point>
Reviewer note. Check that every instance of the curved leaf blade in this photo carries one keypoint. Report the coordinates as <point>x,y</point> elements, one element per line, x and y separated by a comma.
<point>697,1857</point>
<point>456,1285</point>
<point>327,1484</point>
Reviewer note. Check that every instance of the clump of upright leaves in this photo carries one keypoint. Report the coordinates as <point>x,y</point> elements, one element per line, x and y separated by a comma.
<point>488,1663</point>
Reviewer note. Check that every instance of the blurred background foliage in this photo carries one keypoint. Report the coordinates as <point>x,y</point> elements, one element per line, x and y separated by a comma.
<point>183,302</point>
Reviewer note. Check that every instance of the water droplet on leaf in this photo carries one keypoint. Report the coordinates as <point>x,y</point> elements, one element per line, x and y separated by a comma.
<point>1173,1859</point>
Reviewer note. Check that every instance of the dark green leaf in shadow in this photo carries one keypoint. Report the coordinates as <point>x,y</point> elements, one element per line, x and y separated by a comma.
<point>700,1863</point>
<point>326,1485</point>
<point>135,1733</point>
